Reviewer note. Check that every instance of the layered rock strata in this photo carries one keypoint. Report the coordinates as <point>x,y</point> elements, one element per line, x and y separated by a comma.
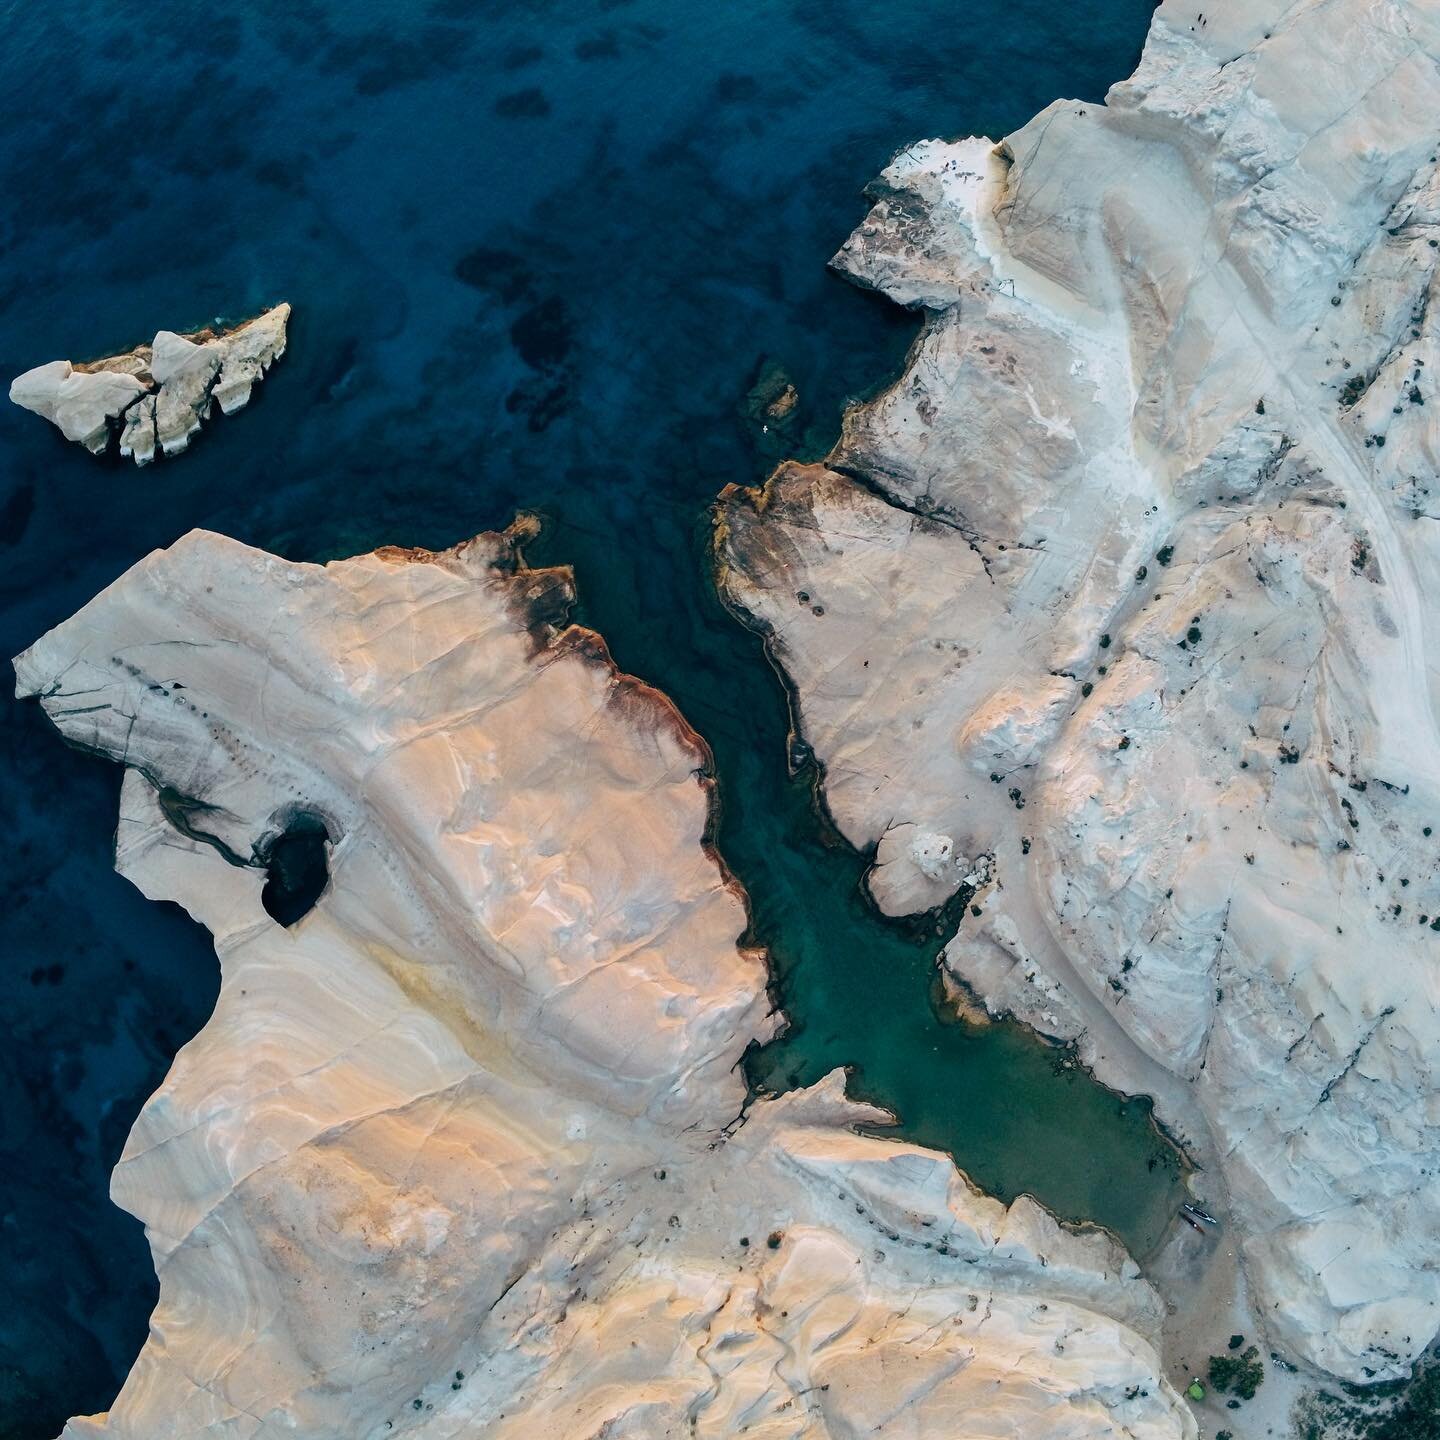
<point>156,396</point>
<point>1125,590</point>
<point>464,1151</point>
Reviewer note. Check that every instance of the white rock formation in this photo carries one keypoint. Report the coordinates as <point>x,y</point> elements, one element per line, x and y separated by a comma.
<point>156,395</point>
<point>464,1151</point>
<point>84,403</point>
<point>1125,581</point>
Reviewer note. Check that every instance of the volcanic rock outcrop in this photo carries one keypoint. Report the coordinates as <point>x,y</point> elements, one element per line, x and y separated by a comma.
<point>156,396</point>
<point>464,1149</point>
<point>1126,590</point>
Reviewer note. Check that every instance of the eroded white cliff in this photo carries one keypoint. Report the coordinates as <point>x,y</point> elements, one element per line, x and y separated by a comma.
<point>464,1151</point>
<point>156,396</point>
<point>1128,583</point>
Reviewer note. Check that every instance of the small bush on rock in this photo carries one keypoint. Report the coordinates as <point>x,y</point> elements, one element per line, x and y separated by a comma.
<point>1240,1375</point>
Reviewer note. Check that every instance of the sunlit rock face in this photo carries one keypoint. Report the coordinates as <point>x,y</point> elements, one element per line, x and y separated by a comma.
<point>464,1149</point>
<point>156,396</point>
<point>1129,581</point>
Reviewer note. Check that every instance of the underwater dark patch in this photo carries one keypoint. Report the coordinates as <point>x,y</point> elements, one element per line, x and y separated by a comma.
<point>519,57</point>
<point>542,336</point>
<point>733,88</point>
<point>487,267</point>
<point>385,58</point>
<point>341,367</point>
<point>283,175</point>
<point>599,47</point>
<point>527,104</point>
<point>540,406</point>
<point>15,512</point>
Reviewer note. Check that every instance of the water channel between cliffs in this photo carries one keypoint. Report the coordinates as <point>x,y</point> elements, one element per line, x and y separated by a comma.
<point>1019,1115</point>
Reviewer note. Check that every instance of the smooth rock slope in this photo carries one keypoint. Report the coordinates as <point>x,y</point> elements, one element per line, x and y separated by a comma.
<point>156,396</point>
<point>1125,593</point>
<point>464,1151</point>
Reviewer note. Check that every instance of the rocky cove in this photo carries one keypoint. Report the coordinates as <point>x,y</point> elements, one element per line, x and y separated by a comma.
<point>988,620</point>
<point>416,406</point>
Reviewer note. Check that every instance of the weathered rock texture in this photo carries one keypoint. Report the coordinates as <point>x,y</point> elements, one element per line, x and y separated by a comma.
<point>464,1151</point>
<point>1128,583</point>
<point>156,396</point>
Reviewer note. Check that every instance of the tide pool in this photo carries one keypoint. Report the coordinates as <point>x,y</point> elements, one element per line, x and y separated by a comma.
<point>538,254</point>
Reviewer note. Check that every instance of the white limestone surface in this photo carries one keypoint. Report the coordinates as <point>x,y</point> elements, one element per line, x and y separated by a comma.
<point>1129,582</point>
<point>156,396</point>
<point>464,1151</point>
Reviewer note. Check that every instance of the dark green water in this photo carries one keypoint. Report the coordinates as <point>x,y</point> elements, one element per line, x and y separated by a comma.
<point>1019,1115</point>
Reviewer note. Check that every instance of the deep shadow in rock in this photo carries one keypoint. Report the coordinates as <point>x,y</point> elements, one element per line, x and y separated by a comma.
<point>297,869</point>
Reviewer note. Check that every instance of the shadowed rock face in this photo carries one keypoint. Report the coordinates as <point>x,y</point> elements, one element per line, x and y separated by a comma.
<point>1127,583</point>
<point>156,396</point>
<point>464,1150</point>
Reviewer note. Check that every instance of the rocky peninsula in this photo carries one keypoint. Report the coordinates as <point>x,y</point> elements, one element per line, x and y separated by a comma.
<point>464,1148</point>
<point>1111,614</point>
<point>157,396</point>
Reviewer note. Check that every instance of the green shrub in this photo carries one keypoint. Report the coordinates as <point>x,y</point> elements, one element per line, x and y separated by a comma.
<point>1417,1417</point>
<point>1240,1375</point>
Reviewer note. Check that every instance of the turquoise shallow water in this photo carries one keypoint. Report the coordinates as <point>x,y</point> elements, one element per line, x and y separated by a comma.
<point>538,253</point>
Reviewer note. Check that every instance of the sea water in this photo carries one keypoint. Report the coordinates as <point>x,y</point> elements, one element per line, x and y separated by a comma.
<point>538,253</point>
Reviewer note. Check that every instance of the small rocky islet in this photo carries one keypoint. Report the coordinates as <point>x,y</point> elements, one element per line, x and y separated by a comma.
<point>154,398</point>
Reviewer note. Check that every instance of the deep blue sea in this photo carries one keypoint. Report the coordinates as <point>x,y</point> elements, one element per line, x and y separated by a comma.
<point>537,254</point>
